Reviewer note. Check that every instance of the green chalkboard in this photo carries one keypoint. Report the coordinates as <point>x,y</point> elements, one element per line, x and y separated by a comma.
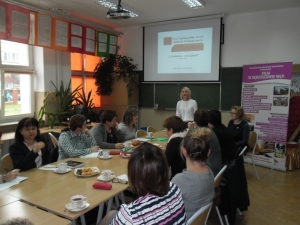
<point>231,87</point>
<point>208,95</point>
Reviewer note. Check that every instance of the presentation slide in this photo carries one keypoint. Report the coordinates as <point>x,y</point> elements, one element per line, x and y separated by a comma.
<point>185,51</point>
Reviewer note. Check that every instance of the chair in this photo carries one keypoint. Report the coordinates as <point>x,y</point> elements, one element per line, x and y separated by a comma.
<point>217,182</point>
<point>6,163</point>
<point>53,140</point>
<point>252,142</point>
<point>151,129</point>
<point>54,154</point>
<point>140,133</point>
<point>200,217</point>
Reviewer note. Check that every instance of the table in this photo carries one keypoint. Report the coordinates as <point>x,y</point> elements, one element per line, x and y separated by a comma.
<point>35,215</point>
<point>51,191</point>
<point>43,130</point>
<point>6,199</point>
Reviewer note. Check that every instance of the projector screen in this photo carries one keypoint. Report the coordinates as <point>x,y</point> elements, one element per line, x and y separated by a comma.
<point>182,51</point>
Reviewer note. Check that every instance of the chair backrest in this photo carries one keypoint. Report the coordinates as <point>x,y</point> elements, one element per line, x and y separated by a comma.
<point>6,163</point>
<point>151,129</point>
<point>54,154</point>
<point>243,150</point>
<point>53,139</point>
<point>200,217</point>
<point>252,141</point>
<point>218,178</point>
<point>140,133</point>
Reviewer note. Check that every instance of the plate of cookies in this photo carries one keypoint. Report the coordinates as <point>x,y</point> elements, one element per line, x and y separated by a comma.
<point>86,171</point>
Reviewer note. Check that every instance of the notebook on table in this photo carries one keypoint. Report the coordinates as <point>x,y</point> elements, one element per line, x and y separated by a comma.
<point>74,164</point>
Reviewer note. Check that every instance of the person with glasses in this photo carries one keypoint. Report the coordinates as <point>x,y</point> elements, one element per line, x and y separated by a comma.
<point>128,124</point>
<point>159,201</point>
<point>76,140</point>
<point>197,181</point>
<point>238,127</point>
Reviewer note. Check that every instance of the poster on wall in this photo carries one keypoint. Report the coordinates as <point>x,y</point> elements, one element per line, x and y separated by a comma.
<point>43,30</point>
<point>265,99</point>
<point>102,43</point>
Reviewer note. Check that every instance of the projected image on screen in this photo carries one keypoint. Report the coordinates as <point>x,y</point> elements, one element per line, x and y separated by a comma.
<point>185,51</point>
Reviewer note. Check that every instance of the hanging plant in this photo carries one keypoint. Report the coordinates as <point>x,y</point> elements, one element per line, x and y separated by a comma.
<point>122,67</point>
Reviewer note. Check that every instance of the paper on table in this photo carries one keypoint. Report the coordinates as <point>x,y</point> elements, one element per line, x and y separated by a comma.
<point>142,139</point>
<point>9,184</point>
<point>48,167</point>
<point>92,155</point>
<point>123,177</point>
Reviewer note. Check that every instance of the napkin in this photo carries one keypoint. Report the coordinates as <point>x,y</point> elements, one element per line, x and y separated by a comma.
<point>123,177</point>
<point>162,139</point>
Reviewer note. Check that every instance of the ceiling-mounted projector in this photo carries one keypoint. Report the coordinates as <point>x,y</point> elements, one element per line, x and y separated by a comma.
<point>118,13</point>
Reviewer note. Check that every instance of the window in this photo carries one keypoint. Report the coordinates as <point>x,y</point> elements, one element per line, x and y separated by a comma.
<point>16,81</point>
<point>82,67</point>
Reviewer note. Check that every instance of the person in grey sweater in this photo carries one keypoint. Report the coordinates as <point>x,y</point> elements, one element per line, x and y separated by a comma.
<point>197,182</point>
<point>201,119</point>
<point>128,125</point>
<point>107,133</point>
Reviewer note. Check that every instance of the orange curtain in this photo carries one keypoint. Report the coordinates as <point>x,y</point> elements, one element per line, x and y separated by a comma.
<point>90,85</point>
<point>91,62</point>
<point>76,62</point>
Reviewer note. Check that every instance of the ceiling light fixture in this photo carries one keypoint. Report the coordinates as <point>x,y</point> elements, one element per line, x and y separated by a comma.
<point>195,4</point>
<point>61,11</point>
<point>113,6</point>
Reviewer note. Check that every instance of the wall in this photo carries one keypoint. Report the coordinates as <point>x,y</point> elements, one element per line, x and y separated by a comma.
<point>250,38</point>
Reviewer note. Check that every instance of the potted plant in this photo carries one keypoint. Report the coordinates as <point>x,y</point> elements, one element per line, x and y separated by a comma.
<point>122,67</point>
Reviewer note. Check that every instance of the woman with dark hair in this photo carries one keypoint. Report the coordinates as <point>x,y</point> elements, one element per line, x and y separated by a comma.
<point>76,140</point>
<point>225,138</point>
<point>175,127</point>
<point>197,182</point>
<point>159,201</point>
<point>238,127</point>
<point>29,149</point>
<point>107,133</point>
<point>201,119</point>
<point>128,125</point>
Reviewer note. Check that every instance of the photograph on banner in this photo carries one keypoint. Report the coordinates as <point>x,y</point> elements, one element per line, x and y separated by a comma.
<point>265,99</point>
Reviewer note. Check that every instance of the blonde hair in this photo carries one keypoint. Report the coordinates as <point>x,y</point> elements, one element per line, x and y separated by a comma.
<point>239,111</point>
<point>196,143</point>
<point>188,91</point>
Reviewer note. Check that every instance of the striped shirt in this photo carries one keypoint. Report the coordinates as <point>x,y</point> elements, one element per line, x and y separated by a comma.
<point>72,145</point>
<point>154,210</point>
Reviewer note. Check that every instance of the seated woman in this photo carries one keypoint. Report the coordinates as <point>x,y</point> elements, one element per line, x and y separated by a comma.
<point>107,133</point>
<point>128,125</point>
<point>9,176</point>
<point>197,182</point>
<point>159,201</point>
<point>238,127</point>
<point>175,127</point>
<point>29,149</point>
<point>76,140</point>
<point>225,137</point>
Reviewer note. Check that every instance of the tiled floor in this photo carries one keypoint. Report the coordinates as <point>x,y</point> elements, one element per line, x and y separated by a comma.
<point>274,200</point>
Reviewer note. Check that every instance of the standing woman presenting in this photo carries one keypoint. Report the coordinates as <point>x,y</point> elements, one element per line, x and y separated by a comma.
<point>186,107</point>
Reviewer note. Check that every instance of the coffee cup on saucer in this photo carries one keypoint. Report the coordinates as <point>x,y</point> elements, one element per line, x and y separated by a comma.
<point>127,144</point>
<point>105,154</point>
<point>150,135</point>
<point>106,174</point>
<point>62,167</point>
<point>78,201</point>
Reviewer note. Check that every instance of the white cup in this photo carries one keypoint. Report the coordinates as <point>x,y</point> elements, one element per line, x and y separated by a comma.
<point>127,144</point>
<point>78,201</point>
<point>106,174</point>
<point>62,167</point>
<point>105,154</point>
<point>150,134</point>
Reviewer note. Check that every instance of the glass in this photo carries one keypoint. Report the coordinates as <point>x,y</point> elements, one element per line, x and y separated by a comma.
<point>17,94</point>
<point>15,54</point>
<point>117,180</point>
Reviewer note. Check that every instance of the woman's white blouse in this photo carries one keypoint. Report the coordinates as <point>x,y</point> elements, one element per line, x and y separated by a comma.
<point>186,109</point>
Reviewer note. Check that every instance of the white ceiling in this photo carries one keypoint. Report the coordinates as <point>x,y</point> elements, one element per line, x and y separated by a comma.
<point>151,11</point>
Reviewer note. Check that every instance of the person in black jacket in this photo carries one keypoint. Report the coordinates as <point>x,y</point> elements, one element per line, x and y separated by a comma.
<point>29,149</point>
<point>175,128</point>
<point>225,137</point>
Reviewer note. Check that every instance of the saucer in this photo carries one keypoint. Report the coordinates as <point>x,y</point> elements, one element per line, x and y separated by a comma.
<point>67,171</point>
<point>102,179</point>
<point>149,137</point>
<point>101,157</point>
<point>69,207</point>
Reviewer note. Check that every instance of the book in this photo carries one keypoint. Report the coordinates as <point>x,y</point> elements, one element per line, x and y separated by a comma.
<point>74,164</point>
